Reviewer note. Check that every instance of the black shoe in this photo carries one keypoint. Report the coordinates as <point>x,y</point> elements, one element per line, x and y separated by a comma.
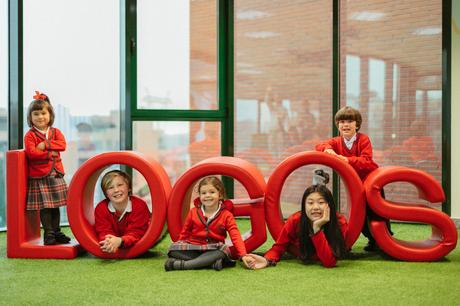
<point>169,264</point>
<point>218,265</point>
<point>371,246</point>
<point>49,238</point>
<point>61,238</point>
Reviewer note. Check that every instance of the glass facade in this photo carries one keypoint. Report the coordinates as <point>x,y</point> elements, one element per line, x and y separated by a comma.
<point>283,85</point>
<point>77,65</point>
<point>392,72</point>
<point>390,69</point>
<point>177,55</point>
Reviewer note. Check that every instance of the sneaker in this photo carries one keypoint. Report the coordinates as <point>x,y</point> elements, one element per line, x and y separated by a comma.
<point>49,239</point>
<point>218,265</point>
<point>61,238</point>
<point>169,264</point>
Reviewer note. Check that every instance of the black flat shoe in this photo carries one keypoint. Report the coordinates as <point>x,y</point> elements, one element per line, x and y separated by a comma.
<point>169,264</point>
<point>371,246</point>
<point>49,239</point>
<point>217,265</point>
<point>61,238</point>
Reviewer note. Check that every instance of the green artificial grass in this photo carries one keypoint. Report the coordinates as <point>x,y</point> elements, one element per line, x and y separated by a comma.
<point>363,279</point>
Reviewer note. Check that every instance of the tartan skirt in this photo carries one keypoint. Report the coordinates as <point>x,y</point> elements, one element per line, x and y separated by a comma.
<point>46,192</point>
<point>185,246</point>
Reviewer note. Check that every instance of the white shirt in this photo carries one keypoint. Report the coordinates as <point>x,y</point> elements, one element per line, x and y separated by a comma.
<point>213,215</point>
<point>43,132</point>
<point>129,208</point>
<point>349,143</point>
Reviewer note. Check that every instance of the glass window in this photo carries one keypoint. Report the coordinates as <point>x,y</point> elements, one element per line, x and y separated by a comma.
<point>176,54</point>
<point>3,106</point>
<point>176,145</point>
<point>399,46</point>
<point>76,64</point>
<point>283,84</point>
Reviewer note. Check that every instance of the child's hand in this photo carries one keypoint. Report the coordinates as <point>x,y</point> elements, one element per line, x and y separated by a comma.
<point>110,244</point>
<point>344,158</point>
<point>318,224</point>
<point>54,153</point>
<point>255,262</point>
<point>330,151</point>
<point>41,146</point>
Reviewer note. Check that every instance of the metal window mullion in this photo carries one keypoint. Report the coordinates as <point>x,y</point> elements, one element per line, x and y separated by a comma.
<point>446,103</point>
<point>15,74</point>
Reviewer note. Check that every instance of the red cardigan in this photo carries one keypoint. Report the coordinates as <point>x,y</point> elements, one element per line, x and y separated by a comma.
<point>41,163</point>
<point>196,231</point>
<point>359,156</point>
<point>131,228</point>
<point>289,237</point>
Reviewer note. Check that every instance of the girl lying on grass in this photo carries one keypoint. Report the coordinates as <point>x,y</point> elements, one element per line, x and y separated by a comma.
<point>315,232</point>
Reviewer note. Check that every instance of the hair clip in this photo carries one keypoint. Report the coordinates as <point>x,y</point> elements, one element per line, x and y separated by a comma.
<point>320,177</point>
<point>40,96</point>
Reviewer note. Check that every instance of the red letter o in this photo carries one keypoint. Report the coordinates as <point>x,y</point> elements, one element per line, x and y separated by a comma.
<point>246,173</point>
<point>80,198</point>
<point>351,179</point>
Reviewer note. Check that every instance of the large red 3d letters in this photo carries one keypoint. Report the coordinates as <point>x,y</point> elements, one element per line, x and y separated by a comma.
<point>444,234</point>
<point>23,237</point>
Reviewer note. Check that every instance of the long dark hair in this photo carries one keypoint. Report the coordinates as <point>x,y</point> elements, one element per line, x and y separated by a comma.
<point>331,229</point>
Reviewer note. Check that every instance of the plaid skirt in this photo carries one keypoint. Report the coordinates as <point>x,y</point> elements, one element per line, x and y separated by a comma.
<point>46,192</point>
<point>185,246</point>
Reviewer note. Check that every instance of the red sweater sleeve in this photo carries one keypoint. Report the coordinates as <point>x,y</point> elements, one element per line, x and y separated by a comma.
<point>30,148</point>
<point>187,227</point>
<point>328,144</point>
<point>235,235</point>
<point>364,162</point>
<point>58,142</point>
<point>323,250</point>
<point>138,223</point>
<point>281,244</point>
<point>103,221</point>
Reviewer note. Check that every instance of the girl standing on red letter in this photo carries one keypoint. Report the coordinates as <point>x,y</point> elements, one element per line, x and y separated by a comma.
<point>46,188</point>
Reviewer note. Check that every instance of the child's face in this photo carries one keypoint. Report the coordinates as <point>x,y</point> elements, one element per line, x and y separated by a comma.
<point>118,191</point>
<point>347,128</point>
<point>315,205</point>
<point>209,196</point>
<point>41,118</point>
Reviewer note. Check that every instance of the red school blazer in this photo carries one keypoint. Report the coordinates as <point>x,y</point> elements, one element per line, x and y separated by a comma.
<point>41,163</point>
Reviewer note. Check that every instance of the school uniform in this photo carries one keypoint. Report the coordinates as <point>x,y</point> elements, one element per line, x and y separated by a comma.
<point>359,155</point>
<point>358,151</point>
<point>202,234</point>
<point>46,185</point>
<point>289,239</point>
<point>130,225</point>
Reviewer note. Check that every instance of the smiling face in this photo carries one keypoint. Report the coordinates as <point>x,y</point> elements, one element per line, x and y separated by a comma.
<point>347,128</point>
<point>209,197</point>
<point>117,191</point>
<point>41,118</point>
<point>315,204</point>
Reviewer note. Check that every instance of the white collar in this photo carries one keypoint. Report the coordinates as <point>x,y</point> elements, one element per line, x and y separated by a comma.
<point>129,208</point>
<point>213,215</point>
<point>349,143</point>
<point>44,132</point>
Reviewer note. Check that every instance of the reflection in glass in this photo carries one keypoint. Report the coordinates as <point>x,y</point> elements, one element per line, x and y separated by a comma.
<point>176,54</point>
<point>176,145</point>
<point>398,46</point>
<point>283,83</point>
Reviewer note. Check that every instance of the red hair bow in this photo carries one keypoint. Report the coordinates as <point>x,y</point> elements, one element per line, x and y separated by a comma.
<point>40,96</point>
